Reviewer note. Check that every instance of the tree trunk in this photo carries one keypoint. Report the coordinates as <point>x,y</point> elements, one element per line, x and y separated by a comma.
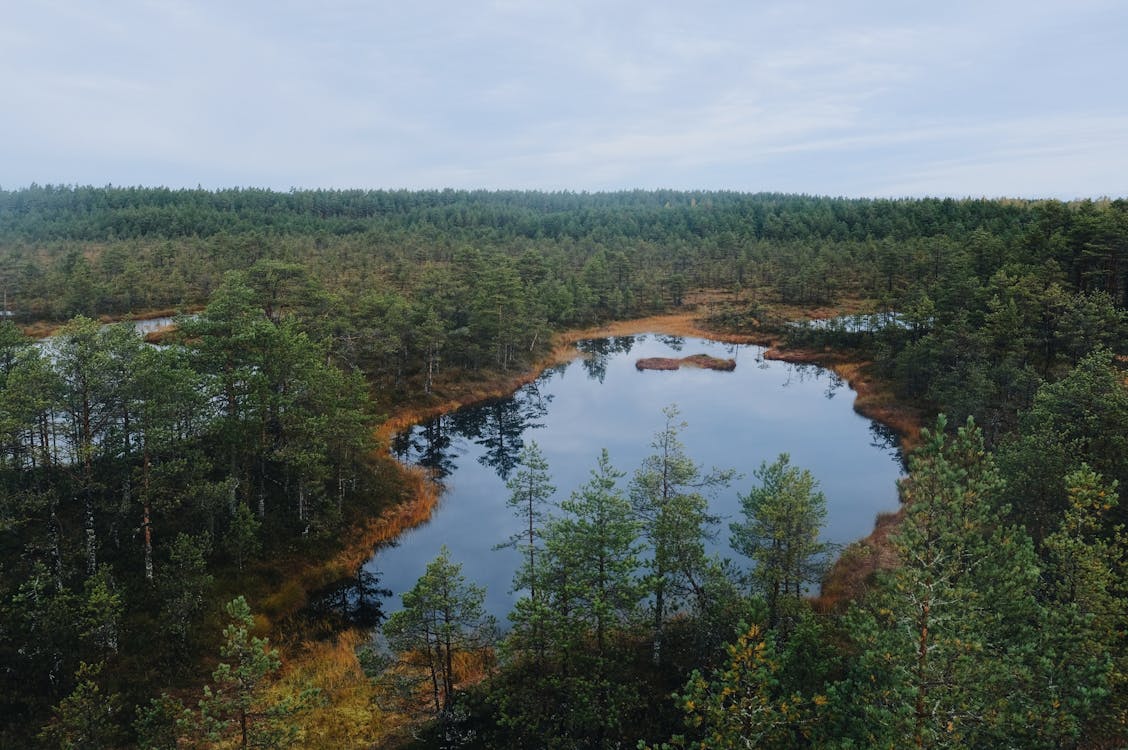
<point>146,521</point>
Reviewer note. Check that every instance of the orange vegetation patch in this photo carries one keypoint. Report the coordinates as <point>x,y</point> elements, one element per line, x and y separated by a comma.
<point>160,335</point>
<point>706,362</point>
<point>302,577</point>
<point>351,712</point>
<point>422,495</point>
<point>40,329</point>
<point>703,361</point>
<point>658,363</point>
<point>853,571</point>
<point>684,323</point>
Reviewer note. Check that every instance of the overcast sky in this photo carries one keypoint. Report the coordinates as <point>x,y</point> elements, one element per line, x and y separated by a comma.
<point>832,97</point>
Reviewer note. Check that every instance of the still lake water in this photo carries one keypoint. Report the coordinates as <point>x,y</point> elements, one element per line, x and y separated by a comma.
<point>735,420</point>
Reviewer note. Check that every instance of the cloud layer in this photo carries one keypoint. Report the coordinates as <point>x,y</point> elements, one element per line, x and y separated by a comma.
<point>871,98</point>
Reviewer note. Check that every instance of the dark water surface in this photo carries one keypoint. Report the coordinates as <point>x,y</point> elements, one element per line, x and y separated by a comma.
<point>735,420</point>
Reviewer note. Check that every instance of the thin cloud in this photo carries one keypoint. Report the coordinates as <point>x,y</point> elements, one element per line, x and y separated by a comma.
<point>878,97</point>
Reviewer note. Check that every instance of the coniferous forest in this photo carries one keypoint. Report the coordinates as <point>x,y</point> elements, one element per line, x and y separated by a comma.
<point>180,515</point>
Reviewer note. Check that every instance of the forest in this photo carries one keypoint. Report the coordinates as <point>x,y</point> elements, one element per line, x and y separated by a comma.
<point>177,512</point>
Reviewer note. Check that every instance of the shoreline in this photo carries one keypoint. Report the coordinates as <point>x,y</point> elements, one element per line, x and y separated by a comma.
<point>41,329</point>
<point>872,399</point>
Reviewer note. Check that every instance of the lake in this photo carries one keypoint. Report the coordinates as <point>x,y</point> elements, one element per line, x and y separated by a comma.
<point>735,419</point>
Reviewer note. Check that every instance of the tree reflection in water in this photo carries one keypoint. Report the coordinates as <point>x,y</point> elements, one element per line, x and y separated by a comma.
<point>355,601</point>
<point>427,445</point>
<point>497,426</point>
<point>597,352</point>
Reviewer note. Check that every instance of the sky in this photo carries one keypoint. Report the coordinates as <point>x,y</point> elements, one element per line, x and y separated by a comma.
<point>858,98</point>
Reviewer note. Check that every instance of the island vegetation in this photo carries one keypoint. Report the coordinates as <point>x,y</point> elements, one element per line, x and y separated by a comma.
<point>182,526</point>
<point>703,361</point>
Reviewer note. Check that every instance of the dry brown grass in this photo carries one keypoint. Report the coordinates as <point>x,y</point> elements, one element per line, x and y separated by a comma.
<point>703,361</point>
<point>422,497</point>
<point>347,713</point>
<point>162,335</point>
<point>420,494</point>
<point>853,571</point>
<point>40,329</point>
<point>658,363</point>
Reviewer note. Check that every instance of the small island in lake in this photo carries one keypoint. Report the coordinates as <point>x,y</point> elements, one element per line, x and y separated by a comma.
<point>695,360</point>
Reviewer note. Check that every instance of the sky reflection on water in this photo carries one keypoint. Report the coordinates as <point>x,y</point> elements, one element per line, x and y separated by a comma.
<point>735,420</point>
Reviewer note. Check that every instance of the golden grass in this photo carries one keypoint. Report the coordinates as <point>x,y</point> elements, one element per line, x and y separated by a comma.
<point>347,713</point>
<point>422,495</point>
<point>40,329</point>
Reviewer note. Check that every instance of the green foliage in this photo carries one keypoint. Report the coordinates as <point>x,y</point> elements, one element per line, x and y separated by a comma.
<point>236,707</point>
<point>85,719</point>
<point>442,618</point>
<point>744,704</point>
<point>120,462</point>
<point>183,585</point>
<point>668,497</point>
<point>783,518</point>
<point>253,427</point>
<point>160,724</point>
<point>950,646</point>
<point>574,689</point>
<point>242,538</point>
<point>102,611</point>
<point>530,491</point>
<point>1085,582</point>
<point>1081,418</point>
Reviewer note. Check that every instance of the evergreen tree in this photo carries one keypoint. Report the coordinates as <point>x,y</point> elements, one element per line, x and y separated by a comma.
<point>235,707</point>
<point>593,593</point>
<point>744,703</point>
<point>85,719</point>
<point>442,618</point>
<point>783,518</point>
<point>668,498</point>
<point>948,645</point>
<point>1086,584</point>
<point>530,491</point>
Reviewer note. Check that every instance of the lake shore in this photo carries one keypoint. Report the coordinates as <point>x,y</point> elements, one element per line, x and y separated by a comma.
<point>41,329</point>
<point>873,399</point>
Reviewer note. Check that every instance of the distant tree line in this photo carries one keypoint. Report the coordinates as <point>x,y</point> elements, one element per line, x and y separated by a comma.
<point>413,284</point>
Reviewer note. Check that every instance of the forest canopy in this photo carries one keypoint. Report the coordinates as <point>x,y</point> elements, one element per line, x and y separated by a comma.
<point>145,486</point>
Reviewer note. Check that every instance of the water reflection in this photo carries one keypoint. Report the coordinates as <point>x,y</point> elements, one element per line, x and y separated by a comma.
<point>597,353</point>
<point>736,420</point>
<point>886,439</point>
<point>497,427</point>
<point>356,601</point>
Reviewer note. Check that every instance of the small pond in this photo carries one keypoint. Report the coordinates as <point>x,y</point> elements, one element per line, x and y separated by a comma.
<point>735,419</point>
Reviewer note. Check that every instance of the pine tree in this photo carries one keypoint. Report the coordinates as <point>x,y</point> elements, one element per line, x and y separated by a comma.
<point>783,518</point>
<point>235,707</point>
<point>668,498</point>
<point>947,647</point>
<point>442,617</point>
<point>85,719</point>
<point>1086,582</point>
